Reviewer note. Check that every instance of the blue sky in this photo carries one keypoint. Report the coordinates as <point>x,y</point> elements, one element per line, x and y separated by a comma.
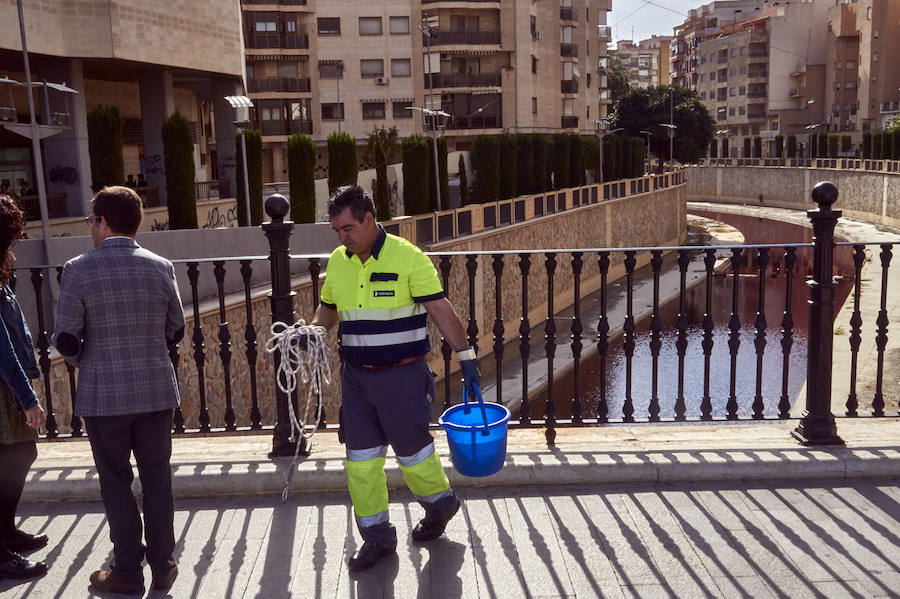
<point>646,17</point>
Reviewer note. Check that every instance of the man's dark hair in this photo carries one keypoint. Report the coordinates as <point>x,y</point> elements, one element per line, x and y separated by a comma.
<point>121,206</point>
<point>353,197</point>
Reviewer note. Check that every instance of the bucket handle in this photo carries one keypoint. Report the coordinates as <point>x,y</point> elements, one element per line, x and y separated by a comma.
<point>477,392</point>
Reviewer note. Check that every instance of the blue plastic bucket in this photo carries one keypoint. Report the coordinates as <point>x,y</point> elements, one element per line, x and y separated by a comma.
<point>476,432</point>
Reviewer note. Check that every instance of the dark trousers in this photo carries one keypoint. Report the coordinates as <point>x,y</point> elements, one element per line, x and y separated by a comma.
<point>15,460</point>
<point>149,436</point>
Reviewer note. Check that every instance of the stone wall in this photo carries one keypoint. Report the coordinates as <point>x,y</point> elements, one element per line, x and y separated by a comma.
<point>868,195</point>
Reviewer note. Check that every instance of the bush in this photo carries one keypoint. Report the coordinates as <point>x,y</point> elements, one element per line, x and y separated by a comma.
<point>887,151</point>
<point>486,161</point>
<point>253,139</point>
<point>524,165</point>
<point>301,155</point>
<point>105,147</point>
<point>610,158</point>
<point>832,145</point>
<point>792,146</point>
<point>178,157</point>
<point>867,145</point>
<point>877,145</point>
<point>746,153</point>
<point>813,149</point>
<point>590,148</point>
<point>576,160</point>
<point>725,150</point>
<point>342,164</point>
<point>508,166</point>
<point>757,146</point>
<point>714,149</point>
<point>779,146</point>
<point>442,174</point>
<point>561,166</point>
<point>895,144</point>
<point>415,183</point>
<point>463,182</point>
<point>541,167</point>
<point>846,143</point>
<point>823,144</point>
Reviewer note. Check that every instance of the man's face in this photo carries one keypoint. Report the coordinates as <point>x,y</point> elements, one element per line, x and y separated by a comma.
<point>358,237</point>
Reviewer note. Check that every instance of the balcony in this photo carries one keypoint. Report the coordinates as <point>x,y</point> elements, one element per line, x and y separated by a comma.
<point>439,1</point>
<point>568,50</point>
<point>447,38</point>
<point>478,121</point>
<point>756,114</point>
<point>285,127</point>
<point>792,93</point>
<point>758,74</point>
<point>568,86</point>
<point>291,41</point>
<point>282,2</point>
<point>462,80</point>
<point>569,122</point>
<point>890,106</point>
<point>757,94</point>
<point>279,84</point>
<point>567,13</point>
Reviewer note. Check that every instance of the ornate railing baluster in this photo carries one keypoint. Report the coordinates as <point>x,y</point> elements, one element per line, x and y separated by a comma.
<point>577,264</point>
<point>315,269</point>
<point>681,343</point>
<point>224,344</point>
<point>709,261</point>
<point>251,346</point>
<point>628,335</point>
<point>76,424</point>
<point>759,342</point>
<point>498,324</point>
<point>550,351</point>
<point>472,328</point>
<point>178,417</point>
<point>446,350</point>
<point>199,353</point>
<point>787,333</point>
<point>859,258</point>
<point>655,342</point>
<point>881,337</point>
<point>43,346</point>
<point>734,337</point>
<point>524,338</point>
<point>603,338</point>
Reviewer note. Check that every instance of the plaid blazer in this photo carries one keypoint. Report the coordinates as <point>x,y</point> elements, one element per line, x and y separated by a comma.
<point>121,301</point>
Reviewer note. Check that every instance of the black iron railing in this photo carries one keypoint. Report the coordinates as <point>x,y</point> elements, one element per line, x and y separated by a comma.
<point>548,351</point>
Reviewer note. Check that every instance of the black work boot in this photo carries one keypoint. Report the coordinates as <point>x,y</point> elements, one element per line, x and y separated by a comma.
<point>437,515</point>
<point>21,568</point>
<point>368,555</point>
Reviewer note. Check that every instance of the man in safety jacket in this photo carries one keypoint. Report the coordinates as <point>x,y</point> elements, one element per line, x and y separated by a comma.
<point>380,289</point>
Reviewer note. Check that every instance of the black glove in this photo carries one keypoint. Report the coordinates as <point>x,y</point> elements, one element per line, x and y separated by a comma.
<point>469,367</point>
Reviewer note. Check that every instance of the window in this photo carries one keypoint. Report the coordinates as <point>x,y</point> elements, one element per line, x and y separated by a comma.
<point>568,107</point>
<point>731,111</point>
<point>534,64</point>
<point>331,70</point>
<point>401,67</point>
<point>371,67</point>
<point>287,69</point>
<point>702,77</point>
<point>703,59</point>
<point>291,26</point>
<point>533,105</point>
<point>332,111</point>
<point>869,14</point>
<point>851,64</point>
<point>875,34</point>
<point>733,52</point>
<point>743,50</point>
<point>732,92</point>
<point>329,25</point>
<point>270,113</point>
<point>732,71</point>
<point>300,110</point>
<point>399,25</point>
<point>874,56</point>
<point>266,26</point>
<point>829,27</point>
<point>370,26</point>
<point>565,36</point>
<point>373,110</point>
<point>742,111</point>
<point>742,90</point>
<point>401,109</point>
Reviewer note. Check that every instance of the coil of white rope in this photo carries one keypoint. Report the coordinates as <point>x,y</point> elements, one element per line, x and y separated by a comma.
<point>312,366</point>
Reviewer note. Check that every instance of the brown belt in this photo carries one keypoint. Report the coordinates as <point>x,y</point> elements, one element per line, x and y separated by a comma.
<point>400,363</point>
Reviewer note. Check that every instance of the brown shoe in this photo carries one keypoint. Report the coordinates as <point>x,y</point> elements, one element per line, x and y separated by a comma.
<point>107,581</point>
<point>164,580</point>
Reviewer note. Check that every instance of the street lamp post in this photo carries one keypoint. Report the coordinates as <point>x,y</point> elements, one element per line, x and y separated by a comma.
<point>243,102</point>
<point>602,126</point>
<point>671,127</point>
<point>648,134</point>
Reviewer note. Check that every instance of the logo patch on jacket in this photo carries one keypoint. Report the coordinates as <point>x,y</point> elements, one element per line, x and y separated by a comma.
<point>388,293</point>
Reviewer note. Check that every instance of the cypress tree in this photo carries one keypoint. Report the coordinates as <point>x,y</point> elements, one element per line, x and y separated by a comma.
<point>301,153</point>
<point>561,162</point>
<point>486,161</point>
<point>524,165</point>
<point>792,146</point>
<point>415,185</point>
<point>342,163</point>
<point>541,170</point>
<point>105,147</point>
<point>463,182</point>
<point>178,156</point>
<point>867,145</point>
<point>508,166</point>
<point>576,161</point>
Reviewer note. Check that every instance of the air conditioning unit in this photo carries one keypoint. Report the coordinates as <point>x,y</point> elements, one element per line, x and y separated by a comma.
<point>535,35</point>
<point>445,56</point>
<point>381,80</point>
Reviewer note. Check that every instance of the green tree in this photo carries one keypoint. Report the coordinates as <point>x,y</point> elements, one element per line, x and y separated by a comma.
<point>645,109</point>
<point>823,144</point>
<point>877,146</point>
<point>887,150</point>
<point>253,140</point>
<point>867,145</point>
<point>463,181</point>
<point>833,145</point>
<point>846,143</point>
<point>895,143</point>
<point>415,182</point>
<point>576,160</point>
<point>343,167</point>
<point>746,153</point>
<point>714,150</point>
<point>561,155</point>
<point>301,155</point>
<point>813,146</point>
<point>792,146</point>
<point>725,149</point>
<point>590,148</point>
<point>105,147</point>
<point>524,165</point>
<point>178,157</point>
<point>757,146</point>
<point>617,80</point>
<point>508,166</point>
<point>779,146</point>
<point>486,161</point>
<point>540,156</point>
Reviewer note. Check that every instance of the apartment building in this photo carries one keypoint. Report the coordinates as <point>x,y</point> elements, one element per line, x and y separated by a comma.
<point>646,63</point>
<point>132,54</point>
<point>492,65</point>
<point>878,87</point>
<point>765,74</point>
